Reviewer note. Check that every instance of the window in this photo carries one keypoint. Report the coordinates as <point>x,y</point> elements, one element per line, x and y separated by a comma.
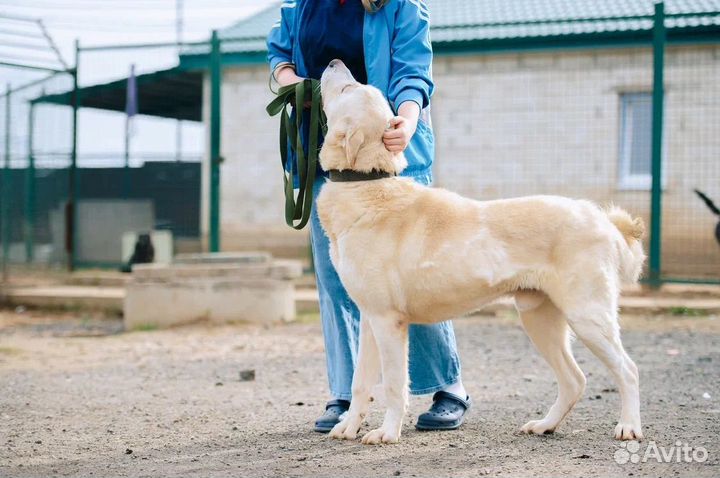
<point>635,141</point>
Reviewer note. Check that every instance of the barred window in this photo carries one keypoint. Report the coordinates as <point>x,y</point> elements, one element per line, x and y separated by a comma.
<point>635,141</point>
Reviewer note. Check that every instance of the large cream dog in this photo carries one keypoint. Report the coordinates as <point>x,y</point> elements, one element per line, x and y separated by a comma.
<point>408,253</point>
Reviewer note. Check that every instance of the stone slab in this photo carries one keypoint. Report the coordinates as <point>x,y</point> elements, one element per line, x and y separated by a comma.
<point>212,299</point>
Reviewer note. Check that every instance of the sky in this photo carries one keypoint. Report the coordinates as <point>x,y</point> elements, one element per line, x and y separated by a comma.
<point>110,22</point>
<point>96,22</point>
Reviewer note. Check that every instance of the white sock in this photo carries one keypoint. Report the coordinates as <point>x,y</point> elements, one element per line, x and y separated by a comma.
<point>457,389</point>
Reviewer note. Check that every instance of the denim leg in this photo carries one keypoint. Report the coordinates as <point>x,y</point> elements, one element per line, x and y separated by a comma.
<point>339,315</point>
<point>434,362</point>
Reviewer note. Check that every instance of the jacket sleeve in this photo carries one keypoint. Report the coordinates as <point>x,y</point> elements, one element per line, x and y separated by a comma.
<point>281,37</point>
<point>411,55</point>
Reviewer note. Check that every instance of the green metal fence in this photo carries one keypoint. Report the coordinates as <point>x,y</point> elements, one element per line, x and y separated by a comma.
<point>63,151</point>
<point>33,149</point>
<point>633,123</point>
<point>520,140</point>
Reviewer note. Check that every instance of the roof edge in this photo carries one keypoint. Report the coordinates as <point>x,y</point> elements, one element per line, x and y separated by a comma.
<point>632,38</point>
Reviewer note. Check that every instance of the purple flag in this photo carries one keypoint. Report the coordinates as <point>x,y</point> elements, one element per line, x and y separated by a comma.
<point>131,99</point>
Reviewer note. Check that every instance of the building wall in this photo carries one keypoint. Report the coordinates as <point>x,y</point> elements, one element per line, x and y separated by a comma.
<point>251,186</point>
<point>509,125</point>
<point>548,123</point>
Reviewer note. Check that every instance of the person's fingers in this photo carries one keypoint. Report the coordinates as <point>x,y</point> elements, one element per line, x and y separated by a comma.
<point>394,133</point>
<point>394,141</point>
<point>396,120</point>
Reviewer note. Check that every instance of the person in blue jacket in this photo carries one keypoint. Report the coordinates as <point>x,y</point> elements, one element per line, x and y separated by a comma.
<point>384,43</point>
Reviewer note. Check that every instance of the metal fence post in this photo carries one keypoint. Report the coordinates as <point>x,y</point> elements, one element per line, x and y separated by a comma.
<point>215,136</point>
<point>30,191</point>
<point>71,207</point>
<point>5,211</point>
<point>657,143</point>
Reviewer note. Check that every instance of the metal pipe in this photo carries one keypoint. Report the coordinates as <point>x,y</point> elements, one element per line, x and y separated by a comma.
<point>30,67</point>
<point>4,196</point>
<point>215,125</point>
<point>30,190</point>
<point>659,36</point>
<point>135,46</point>
<point>71,206</point>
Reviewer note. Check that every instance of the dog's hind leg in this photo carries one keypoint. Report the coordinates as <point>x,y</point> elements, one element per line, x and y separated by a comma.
<point>596,325</point>
<point>547,328</point>
<point>391,334</point>
<point>367,374</point>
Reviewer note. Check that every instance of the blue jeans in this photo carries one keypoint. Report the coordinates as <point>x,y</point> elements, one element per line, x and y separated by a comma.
<point>434,362</point>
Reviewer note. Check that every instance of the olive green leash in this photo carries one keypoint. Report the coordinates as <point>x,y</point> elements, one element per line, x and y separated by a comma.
<point>295,97</point>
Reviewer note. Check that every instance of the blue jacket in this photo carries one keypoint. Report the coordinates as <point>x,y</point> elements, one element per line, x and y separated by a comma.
<point>398,59</point>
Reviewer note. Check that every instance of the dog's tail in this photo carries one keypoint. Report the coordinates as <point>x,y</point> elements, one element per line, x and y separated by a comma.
<point>708,202</point>
<point>632,255</point>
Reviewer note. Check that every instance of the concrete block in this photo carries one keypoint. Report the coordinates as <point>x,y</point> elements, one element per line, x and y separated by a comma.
<point>224,287</point>
<point>102,222</point>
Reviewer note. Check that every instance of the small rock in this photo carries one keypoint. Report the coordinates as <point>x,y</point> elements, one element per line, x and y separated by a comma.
<point>528,378</point>
<point>583,456</point>
<point>247,375</point>
<point>128,451</point>
<point>397,473</point>
<point>598,397</point>
<point>235,429</point>
<point>706,396</point>
<point>299,404</point>
<point>704,359</point>
<point>609,390</point>
<point>302,458</point>
<point>218,384</point>
<point>40,441</point>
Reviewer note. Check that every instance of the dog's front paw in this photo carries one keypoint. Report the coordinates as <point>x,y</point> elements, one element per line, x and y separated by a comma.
<point>538,427</point>
<point>342,431</point>
<point>380,435</point>
<point>628,431</point>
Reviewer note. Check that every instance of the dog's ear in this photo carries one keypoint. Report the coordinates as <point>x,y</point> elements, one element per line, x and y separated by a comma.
<point>353,140</point>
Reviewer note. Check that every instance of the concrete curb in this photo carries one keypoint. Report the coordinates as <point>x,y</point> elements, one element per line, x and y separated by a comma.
<point>110,299</point>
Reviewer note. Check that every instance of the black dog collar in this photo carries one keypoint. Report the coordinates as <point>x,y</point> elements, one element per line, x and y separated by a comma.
<point>348,175</point>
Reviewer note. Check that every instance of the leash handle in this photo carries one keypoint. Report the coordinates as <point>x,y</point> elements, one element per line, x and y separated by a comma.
<point>291,99</point>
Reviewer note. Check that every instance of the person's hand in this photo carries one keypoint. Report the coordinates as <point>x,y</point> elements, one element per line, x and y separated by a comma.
<point>285,75</point>
<point>398,135</point>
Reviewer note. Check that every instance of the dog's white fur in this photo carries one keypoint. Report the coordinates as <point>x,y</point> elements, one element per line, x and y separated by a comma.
<point>408,253</point>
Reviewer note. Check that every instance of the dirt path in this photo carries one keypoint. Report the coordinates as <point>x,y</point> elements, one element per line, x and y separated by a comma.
<point>169,403</point>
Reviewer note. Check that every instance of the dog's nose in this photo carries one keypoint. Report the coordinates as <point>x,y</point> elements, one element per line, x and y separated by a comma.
<point>335,63</point>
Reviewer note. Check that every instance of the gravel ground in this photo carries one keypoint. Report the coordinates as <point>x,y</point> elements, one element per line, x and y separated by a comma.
<point>81,398</point>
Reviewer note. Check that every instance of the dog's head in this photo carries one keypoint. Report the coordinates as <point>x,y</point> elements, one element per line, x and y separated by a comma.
<point>357,117</point>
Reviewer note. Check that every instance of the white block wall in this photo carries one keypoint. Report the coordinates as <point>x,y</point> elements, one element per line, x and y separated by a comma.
<point>509,125</point>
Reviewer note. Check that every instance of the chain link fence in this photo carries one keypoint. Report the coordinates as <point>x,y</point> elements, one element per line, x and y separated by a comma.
<point>129,174</point>
<point>580,123</point>
<point>691,161</point>
<point>37,149</point>
<point>576,122</point>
